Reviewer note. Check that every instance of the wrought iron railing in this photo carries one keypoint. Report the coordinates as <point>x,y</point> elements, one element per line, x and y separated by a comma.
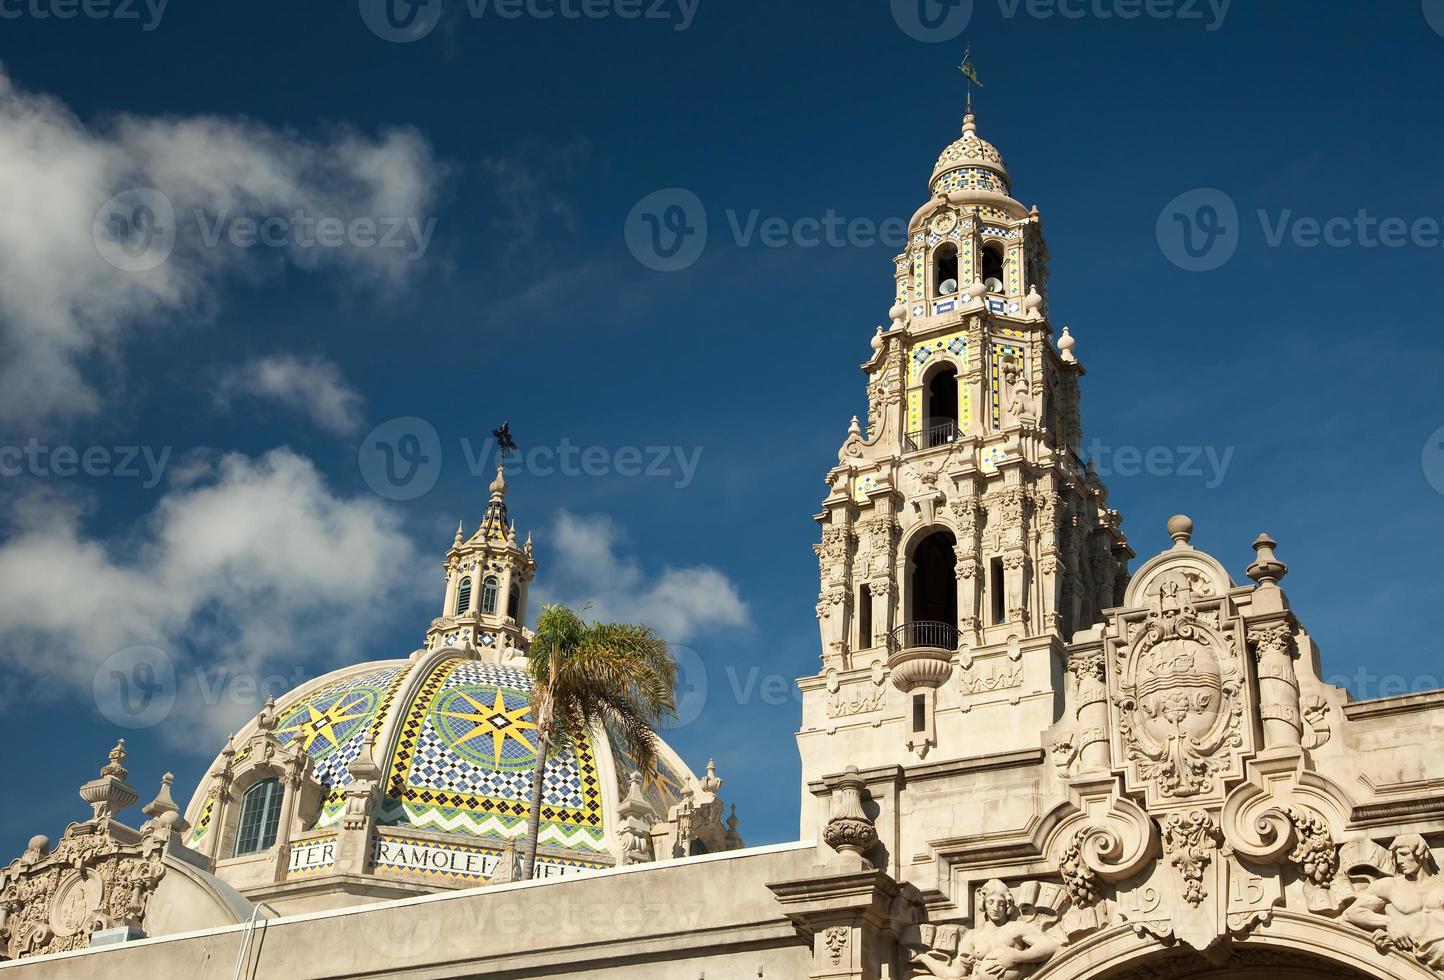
<point>933,636</point>
<point>933,436</point>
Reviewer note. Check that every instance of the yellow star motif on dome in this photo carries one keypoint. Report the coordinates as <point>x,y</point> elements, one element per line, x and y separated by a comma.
<point>323,724</point>
<point>498,721</point>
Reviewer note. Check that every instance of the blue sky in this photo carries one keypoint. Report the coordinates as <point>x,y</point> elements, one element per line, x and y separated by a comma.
<point>1292,389</point>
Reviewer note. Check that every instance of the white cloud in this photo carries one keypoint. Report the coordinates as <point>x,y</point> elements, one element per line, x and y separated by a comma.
<point>247,573</point>
<point>61,303</point>
<point>312,386</point>
<point>679,603</point>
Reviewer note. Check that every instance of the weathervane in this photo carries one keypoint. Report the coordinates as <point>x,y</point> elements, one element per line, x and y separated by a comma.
<point>504,442</point>
<point>970,72</point>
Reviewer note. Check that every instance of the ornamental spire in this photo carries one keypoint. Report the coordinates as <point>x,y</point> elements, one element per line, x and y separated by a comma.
<point>495,522</point>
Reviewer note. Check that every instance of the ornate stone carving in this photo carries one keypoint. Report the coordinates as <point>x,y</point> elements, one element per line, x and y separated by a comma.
<point>1313,853</point>
<point>1082,881</point>
<point>637,818</point>
<point>1002,946</point>
<point>1003,678</point>
<point>850,831</point>
<point>835,939</point>
<point>1180,707</point>
<point>1189,840</point>
<point>855,701</point>
<point>1404,909</point>
<point>100,875</point>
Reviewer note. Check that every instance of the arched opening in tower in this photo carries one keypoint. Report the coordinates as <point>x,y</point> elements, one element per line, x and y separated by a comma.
<point>992,266</point>
<point>942,415</point>
<point>935,580</point>
<point>945,269</point>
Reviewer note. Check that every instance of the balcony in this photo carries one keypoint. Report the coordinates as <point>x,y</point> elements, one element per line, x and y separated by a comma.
<point>942,434</point>
<point>921,655</point>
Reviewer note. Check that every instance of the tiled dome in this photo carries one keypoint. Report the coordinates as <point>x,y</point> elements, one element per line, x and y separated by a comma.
<point>456,742</point>
<point>970,163</point>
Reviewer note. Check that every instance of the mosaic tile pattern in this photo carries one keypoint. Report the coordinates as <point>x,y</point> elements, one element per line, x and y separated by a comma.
<point>922,355</point>
<point>466,759</point>
<point>331,725</point>
<point>971,178</point>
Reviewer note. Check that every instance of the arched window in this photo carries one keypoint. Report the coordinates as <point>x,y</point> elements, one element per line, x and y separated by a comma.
<point>490,590</point>
<point>942,408</point>
<point>463,596</point>
<point>934,580</point>
<point>992,263</point>
<point>513,602</point>
<point>260,818</point>
<point>945,269</point>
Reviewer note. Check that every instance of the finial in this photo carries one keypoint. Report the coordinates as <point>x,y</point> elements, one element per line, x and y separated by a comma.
<point>1267,570</point>
<point>163,806</point>
<point>108,794</point>
<point>459,526</point>
<point>162,802</point>
<point>498,486</point>
<point>1033,302</point>
<point>37,849</point>
<point>1180,528</point>
<point>897,315</point>
<point>117,757</point>
<point>527,547</point>
<point>711,783</point>
<point>364,766</point>
<point>970,124</point>
<point>877,339</point>
<point>855,429</point>
<point>1066,343</point>
<point>511,533</point>
<point>266,721</point>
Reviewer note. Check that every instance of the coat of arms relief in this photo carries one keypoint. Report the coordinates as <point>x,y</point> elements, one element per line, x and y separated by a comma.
<point>1179,694</point>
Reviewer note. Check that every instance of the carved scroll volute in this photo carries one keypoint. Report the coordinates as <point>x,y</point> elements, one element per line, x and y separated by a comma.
<point>1112,839</point>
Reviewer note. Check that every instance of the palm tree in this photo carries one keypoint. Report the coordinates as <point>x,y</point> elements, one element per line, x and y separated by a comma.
<point>583,673</point>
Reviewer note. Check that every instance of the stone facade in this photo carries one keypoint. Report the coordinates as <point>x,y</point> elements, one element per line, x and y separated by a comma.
<point>1020,760</point>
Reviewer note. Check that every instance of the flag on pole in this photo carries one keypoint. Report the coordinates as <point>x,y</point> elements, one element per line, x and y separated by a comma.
<point>970,72</point>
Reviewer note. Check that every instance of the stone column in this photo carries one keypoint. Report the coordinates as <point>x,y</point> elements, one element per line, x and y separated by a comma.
<point>1090,680</point>
<point>1271,638</point>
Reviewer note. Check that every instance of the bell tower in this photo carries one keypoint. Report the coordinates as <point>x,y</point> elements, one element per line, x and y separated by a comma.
<point>964,539</point>
<point>487,578</point>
